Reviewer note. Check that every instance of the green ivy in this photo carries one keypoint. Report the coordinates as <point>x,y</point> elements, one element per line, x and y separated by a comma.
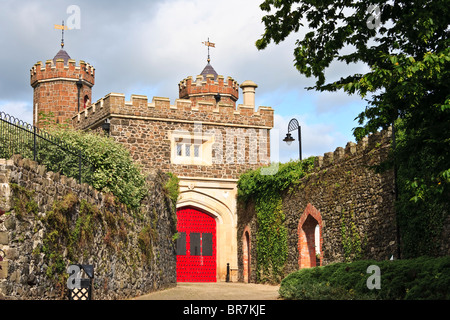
<point>351,240</point>
<point>271,237</point>
<point>172,187</point>
<point>265,192</point>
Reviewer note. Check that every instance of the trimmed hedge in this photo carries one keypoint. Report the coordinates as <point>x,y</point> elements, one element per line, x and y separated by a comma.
<point>415,279</point>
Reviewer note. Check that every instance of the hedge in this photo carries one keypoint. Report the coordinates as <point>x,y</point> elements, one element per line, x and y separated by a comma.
<point>416,279</point>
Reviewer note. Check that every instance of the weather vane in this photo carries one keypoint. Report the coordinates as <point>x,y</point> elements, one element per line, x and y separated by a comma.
<point>209,44</point>
<point>62,28</point>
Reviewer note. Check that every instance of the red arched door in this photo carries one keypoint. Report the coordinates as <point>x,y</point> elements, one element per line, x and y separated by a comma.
<point>196,246</point>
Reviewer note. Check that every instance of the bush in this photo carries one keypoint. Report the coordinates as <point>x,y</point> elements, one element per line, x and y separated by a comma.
<point>109,166</point>
<point>416,279</point>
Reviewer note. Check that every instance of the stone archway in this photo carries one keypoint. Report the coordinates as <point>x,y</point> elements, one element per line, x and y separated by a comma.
<point>246,254</point>
<point>208,198</point>
<point>196,246</point>
<point>310,252</point>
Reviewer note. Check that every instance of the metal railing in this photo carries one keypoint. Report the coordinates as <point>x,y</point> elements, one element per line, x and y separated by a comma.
<point>19,137</point>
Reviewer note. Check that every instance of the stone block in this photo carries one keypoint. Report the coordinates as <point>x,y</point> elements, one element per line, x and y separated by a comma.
<point>4,237</point>
<point>3,269</point>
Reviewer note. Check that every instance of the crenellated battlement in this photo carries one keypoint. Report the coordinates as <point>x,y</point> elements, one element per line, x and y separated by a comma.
<point>205,88</point>
<point>58,70</point>
<point>114,104</point>
<point>364,146</point>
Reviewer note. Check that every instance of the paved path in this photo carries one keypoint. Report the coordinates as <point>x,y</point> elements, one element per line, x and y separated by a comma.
<point>215,291</point>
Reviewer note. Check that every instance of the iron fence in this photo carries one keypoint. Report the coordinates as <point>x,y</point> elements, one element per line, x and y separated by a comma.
<point>19,137</point>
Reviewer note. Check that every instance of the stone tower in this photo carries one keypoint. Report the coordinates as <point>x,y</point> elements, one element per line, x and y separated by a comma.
<point>61,87</point>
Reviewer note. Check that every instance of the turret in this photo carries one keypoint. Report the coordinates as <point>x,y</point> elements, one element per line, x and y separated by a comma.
<point>61,87</point>
<point>209,87</point>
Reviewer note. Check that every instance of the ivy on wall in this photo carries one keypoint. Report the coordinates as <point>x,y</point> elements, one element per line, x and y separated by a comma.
<point>351,240</point>
<point>265,191</point>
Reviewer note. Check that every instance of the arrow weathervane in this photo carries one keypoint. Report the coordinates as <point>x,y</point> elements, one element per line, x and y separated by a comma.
<point>62,28</point>
<point>209,44</point>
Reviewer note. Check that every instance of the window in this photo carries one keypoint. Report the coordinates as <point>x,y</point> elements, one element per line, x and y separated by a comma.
<point>196,150</point>
<point>181,244</point>
<point>207,244</point>
<point>191,150</point>
<point>200,244</point>
<point>195,244</point>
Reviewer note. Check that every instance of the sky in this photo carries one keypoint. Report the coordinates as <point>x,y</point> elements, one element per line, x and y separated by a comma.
<point>148,47</point>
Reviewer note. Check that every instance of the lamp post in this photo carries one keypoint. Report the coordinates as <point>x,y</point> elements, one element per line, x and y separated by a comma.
<point>106,126</point>
<point>79,85</point>
<point>294,125</point>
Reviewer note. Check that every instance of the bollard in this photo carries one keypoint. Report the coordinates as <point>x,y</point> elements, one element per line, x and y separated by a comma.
<point>228,272</point>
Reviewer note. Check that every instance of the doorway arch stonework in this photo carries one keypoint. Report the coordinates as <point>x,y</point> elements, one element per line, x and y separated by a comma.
<point>307,245</point>
<point>217,199</point>
<point>246,254</point>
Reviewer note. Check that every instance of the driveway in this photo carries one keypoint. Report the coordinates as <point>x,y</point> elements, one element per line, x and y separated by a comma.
<point>215,291</point>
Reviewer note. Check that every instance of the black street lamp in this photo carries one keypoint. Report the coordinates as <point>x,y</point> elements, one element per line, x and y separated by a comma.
<point>79,85</point>
<point>294,125</point>
<point>106,126</point>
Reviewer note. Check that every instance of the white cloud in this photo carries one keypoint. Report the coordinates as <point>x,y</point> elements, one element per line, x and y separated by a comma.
<point>19,110</point>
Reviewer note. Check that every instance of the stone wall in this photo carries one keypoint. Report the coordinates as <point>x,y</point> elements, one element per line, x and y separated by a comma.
<point>352,206</point>
<point>231,150</point>
<point>51,222</point>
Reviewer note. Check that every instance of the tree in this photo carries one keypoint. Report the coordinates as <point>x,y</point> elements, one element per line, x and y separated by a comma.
<point>406,45</point>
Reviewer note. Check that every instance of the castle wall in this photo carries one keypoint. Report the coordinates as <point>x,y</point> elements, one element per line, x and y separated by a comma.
<point>183,111</point>
<point>234,140</point>
<point>38,254</point>
<point>353,206</point>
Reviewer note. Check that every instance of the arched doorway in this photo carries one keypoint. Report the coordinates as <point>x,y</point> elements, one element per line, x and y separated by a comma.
<point>86,101</point>
<point>196,246</point>
<point>310,238</point>
<point>246,254</point>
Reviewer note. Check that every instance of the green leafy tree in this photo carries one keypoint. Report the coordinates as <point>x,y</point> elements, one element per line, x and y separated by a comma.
<point>406,45</point>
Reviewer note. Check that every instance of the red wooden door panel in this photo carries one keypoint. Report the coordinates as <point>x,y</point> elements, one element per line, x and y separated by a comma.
<point>196,247</point>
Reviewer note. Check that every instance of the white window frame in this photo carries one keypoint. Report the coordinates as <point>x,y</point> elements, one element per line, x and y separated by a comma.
<point>184,138</point>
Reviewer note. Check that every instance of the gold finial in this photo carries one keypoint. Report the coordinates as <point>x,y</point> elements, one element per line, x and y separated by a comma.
<point>209,44</point>
<point>62,28</point>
